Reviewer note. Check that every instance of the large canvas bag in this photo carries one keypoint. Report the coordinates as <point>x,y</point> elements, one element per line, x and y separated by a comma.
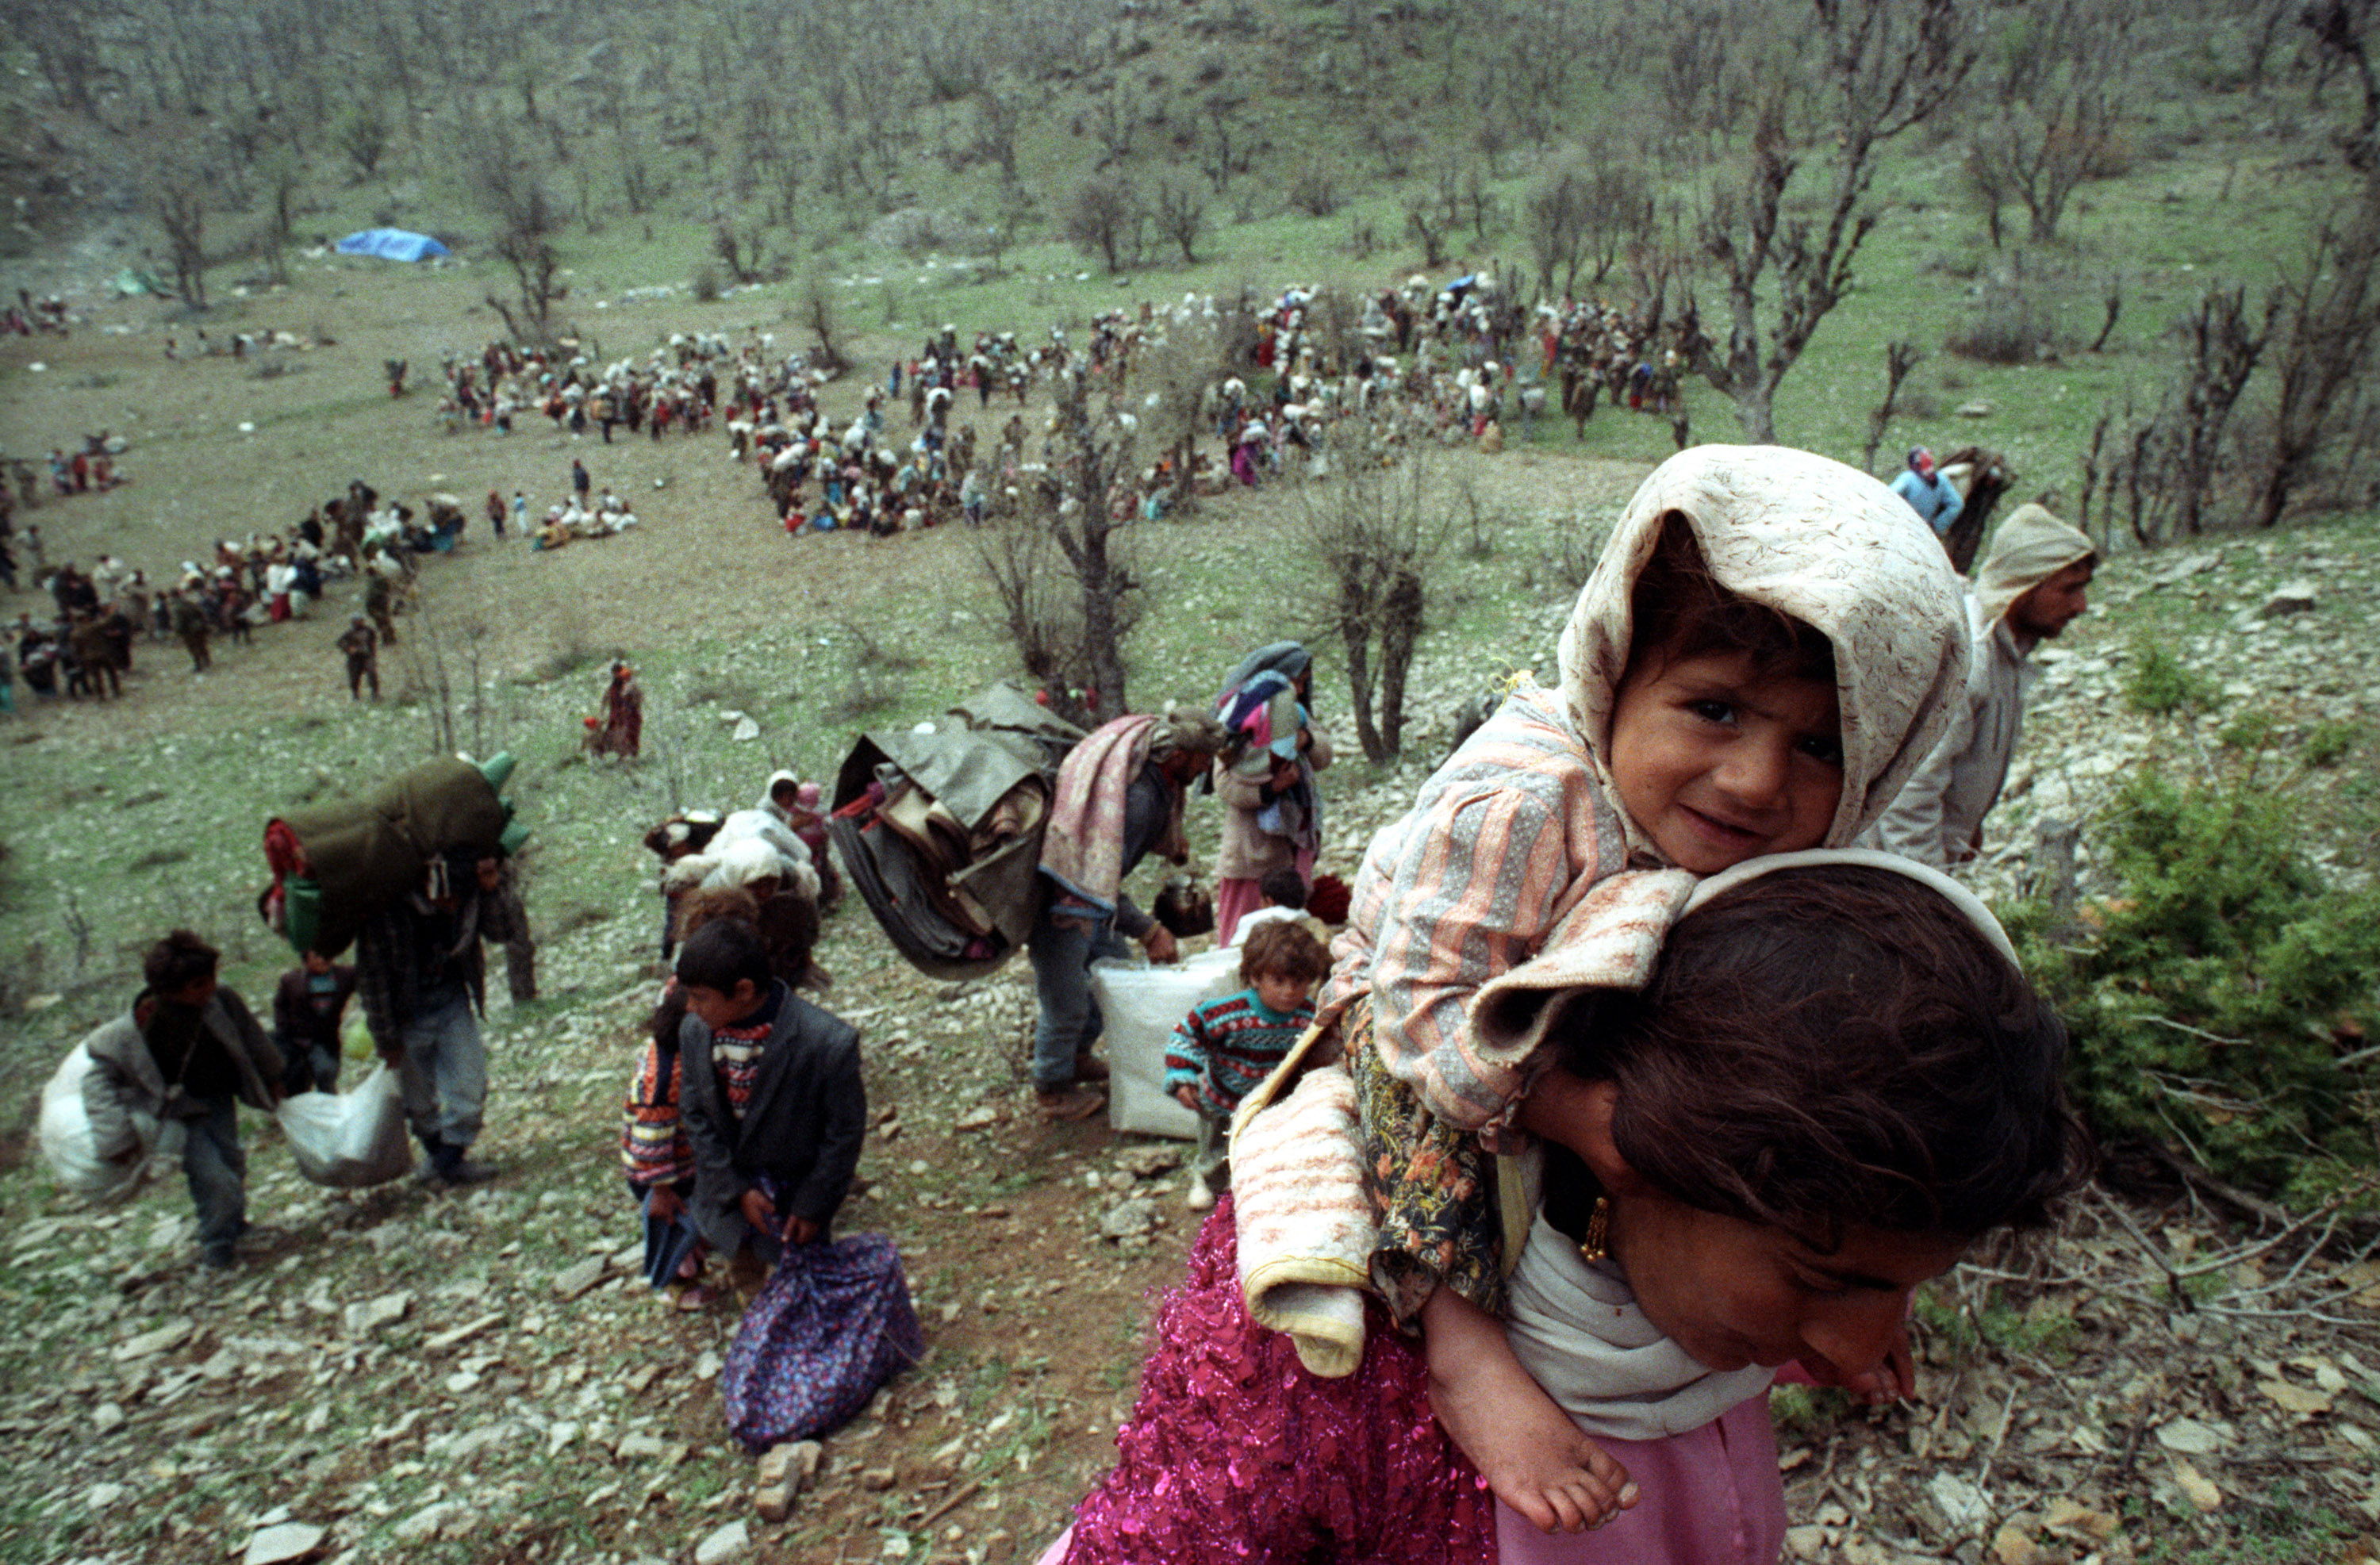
<point>72,1150</point>
<point>1140,1005</point>
<point>349,1140</point>
<point>939,829</point>
<point>832,1323</point>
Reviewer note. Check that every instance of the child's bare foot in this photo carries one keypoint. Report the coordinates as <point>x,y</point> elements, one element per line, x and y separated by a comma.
<point>1532,1455</point>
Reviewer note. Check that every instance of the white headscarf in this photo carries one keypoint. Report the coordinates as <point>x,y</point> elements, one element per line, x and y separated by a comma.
<point>1813,539</point>
<point>2027,550</point>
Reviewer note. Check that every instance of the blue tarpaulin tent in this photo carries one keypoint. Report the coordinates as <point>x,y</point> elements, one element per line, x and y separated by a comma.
<point>397,244</point>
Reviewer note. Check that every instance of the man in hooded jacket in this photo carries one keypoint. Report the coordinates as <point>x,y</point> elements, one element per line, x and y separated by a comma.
<point>2034,582</point>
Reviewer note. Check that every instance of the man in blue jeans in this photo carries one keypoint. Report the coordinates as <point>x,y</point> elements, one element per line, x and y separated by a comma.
<point>189,1049</point>
<point>423,982</point>
<point>1064,945</point>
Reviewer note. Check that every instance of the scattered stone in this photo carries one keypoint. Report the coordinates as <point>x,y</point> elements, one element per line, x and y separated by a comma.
<point>1148,1162</point>
<point>369,1315</point>
<point>150,1343</point>
<point>982,1117</point>
<point>2294,1398</point>
<point>1978,409</point>
<point>2190,1437</point>
<point>106,1419</point>
<point>1135,1218</point>
<point>2067,1515</point>
<point>2290,598</point>
<point>432,1520</point>
<point>574,1280</point>
<point>2013,1545</point>
<point>876,1480</point>
<point>786,1472</point>
<point>461,1334</point>
<point>1964,1505</point>
<point>2196,1487</point>
<point>103,1496</point>
<point>281,1544</point>
<point>636,1445</point>
<point>729,1541</point>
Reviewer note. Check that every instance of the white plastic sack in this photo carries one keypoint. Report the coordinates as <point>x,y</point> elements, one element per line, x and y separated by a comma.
<point>1141,1005</point>
<point>349,1140</point>
<point>72,1150</point>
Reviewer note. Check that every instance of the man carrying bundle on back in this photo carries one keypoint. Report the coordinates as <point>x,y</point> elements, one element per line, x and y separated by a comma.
<point>422,980</point>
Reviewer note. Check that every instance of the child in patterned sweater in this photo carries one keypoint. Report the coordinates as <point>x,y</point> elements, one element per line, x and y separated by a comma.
<point>1225,1047</point>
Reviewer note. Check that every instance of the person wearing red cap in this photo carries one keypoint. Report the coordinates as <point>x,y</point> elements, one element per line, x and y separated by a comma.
<point>1934,498</point>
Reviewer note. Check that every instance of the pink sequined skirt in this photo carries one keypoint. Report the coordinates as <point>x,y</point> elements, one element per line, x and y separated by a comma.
<point>1235,1453</point>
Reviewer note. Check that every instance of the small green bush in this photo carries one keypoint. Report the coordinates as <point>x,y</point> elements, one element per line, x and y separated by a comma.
<point>2161,684</point>
<point>2331,742</point>
<point>2214,996</point>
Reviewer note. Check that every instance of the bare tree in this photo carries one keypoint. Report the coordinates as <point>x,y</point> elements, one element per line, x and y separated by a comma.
<point>2056,127</point>
<point>1224,147</point>
<point>1180,214</point>
<point>998,116</point>
<point>2329,304</point>
<point>1373,532</point>
<point>820,313</point>
<point>1900,357</point>
<point>2224,346</point>
<point>1058,563</point>
<point>283,180</point>
<point>744,250</point>
<point>511,192</point>
<point>1880,68</point>
<point>1585,217</point>
<point>2329,313</point>
<point>177,199</point>
<point>1433,215</point>
<point>364,135</point>
<point>2159,474</point>
<point>1105,219</point>
<point>1115,117</point>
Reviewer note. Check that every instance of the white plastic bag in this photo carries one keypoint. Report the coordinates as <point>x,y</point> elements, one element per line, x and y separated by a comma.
<point>1141,1006</point>
<point>349,1140</point>
<point>72,1149</point>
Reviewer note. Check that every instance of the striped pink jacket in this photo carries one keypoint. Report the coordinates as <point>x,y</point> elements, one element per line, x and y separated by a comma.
<point>1502,841</point>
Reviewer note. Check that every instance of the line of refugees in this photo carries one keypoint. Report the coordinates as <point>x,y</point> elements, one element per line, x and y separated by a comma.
<point>85,648</point>
<point>676,386</point>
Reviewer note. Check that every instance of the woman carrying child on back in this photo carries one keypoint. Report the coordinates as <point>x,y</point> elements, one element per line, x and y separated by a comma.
<point>1835,1081</point>
<point>1760,659</point>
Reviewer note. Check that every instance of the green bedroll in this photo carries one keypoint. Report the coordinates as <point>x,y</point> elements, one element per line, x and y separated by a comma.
<point>335,866</point>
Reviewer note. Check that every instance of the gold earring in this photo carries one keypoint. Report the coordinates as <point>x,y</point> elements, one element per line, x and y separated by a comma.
<point>1599,1229</point>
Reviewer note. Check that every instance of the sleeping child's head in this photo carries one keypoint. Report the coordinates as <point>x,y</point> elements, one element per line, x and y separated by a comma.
<point>1834,1082</point>
<point>1762,654</point>
<point>1282,963</point>
<point>723,970</point>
